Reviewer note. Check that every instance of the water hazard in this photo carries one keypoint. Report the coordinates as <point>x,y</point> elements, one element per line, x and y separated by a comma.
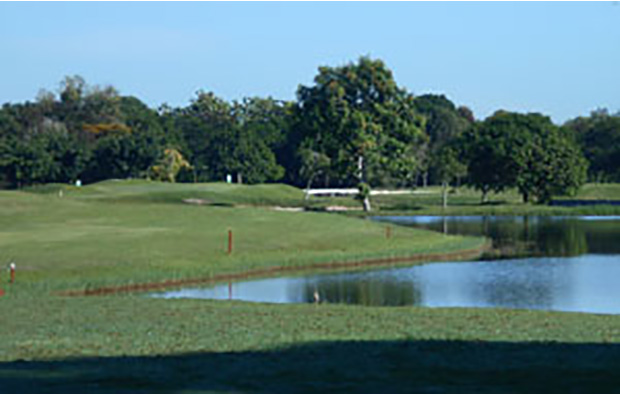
<point>548,263</point>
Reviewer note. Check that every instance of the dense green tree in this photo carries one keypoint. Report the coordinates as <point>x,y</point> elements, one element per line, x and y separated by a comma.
<point>352,127</point>
<point>599,138</point>
<point>444,123</point>
<point>232,138</point>
<point>266,117</point>
<point>24,162</point>
<point>69,156</point>
<point>122,152</point>
<point>52,155</point>
<point>357,117</point>
<point>9,121</point>
<point>192,132</point>
<point>313,165</point>
<point>526,151</point>
<point>35,148</point>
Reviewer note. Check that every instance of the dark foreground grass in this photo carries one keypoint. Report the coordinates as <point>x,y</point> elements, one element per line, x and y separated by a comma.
<point>337,367</point>
<point>130,344</point>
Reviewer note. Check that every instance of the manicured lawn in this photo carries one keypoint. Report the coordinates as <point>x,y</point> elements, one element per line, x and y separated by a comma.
<point>118,233</point>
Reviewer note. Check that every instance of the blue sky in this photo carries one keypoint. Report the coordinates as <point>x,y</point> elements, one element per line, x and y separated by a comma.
<point>561,59</point>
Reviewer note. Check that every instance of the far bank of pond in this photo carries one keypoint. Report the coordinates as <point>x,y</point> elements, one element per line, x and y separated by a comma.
<point>556,263</point>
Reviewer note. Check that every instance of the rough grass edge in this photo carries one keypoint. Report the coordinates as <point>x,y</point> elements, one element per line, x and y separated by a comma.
<point>333,265</point>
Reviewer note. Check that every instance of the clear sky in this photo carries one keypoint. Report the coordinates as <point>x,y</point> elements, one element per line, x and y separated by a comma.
<point>561,59</point>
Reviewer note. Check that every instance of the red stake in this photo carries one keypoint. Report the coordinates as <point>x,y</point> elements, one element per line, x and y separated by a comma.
<point>230,241</point>
<point>12,266</point>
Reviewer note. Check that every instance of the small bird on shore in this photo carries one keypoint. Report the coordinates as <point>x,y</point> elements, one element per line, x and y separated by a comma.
<point>317,298</point>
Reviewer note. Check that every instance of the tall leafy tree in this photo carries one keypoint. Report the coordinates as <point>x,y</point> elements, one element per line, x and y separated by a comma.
<point>35,148</point>
<point>444,123</point>
<point>232,138</point>
<point>488,165</point>
<point>357,117</point>
<point>526,151</point>
<point>599,138</point>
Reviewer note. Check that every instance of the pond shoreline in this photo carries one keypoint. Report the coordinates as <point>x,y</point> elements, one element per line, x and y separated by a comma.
<point>459,255</point>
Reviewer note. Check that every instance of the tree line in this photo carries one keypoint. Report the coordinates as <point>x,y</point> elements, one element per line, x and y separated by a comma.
<point>353,126</point>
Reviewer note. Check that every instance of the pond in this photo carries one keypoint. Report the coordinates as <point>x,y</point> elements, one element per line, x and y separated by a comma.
<point>548,263</point>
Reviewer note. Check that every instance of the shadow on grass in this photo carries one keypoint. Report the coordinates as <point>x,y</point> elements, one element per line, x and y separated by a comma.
<point>358,367</point>
<point>401,207</point>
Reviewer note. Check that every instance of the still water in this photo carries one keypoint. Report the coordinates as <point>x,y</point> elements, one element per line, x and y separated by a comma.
<point>549,263</point>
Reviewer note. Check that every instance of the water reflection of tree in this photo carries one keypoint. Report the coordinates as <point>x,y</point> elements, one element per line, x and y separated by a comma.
<point>364,291</point>
<point>562,238</point>
<point>522,236</point>
<point>602,236</point>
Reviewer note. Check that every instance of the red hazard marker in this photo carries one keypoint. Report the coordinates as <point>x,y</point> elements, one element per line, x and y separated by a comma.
<point>1,292</point>
<point>230,241</point>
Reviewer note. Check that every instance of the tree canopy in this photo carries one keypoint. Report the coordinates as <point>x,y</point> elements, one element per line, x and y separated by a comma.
<point>599,138</point>
<point>444,123</point>
<point>360,120</point>
<point>354,126</point>
<point>526,151</point>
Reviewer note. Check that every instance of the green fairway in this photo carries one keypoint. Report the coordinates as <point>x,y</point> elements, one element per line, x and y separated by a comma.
<point>123,233</point>
<point>118,233</point>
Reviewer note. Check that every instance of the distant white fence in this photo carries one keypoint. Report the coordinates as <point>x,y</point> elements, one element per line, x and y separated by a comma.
<point>354,191</point>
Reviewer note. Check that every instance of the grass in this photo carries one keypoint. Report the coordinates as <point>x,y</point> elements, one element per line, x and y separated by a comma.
<point>121,232</point>
<point>338,367</point>
<point>466,201</point>
<point>132,344</point>
<point>216,194</point>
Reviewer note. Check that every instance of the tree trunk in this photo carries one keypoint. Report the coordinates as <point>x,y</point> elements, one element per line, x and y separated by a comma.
<point>367,207</point>
<point>239,178</point>
<point>526,197</point>
<point>444,194</point>
<point>360,168</point>
<point>306,194</point>
<point>425,179</point>
<point>485,196</point>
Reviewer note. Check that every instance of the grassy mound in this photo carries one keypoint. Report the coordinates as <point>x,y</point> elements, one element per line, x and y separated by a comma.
<point>142,191</point>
